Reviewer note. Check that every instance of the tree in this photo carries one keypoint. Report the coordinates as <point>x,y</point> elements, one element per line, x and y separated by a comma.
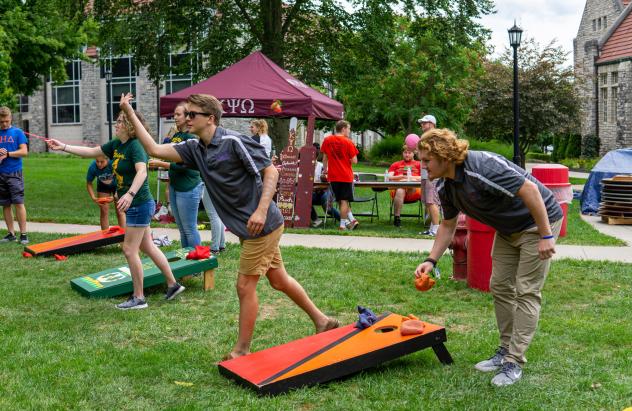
<point>36,40</point>
<point>548,101</point>
<point>392,69</point>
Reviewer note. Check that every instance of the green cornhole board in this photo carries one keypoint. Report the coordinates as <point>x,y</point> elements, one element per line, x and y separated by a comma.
<point>116,281</point>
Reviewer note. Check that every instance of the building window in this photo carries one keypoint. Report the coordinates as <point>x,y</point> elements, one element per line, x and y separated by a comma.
<point>66,104</point>
<point>604,104</point>
<point>605,24</point>
<point>594,22</point>
<point>181,69</point>
<point>124,75</point>
<point>23,104</point>
<point>614,77</point>
<point>603,79</point>
<point>614,97</point>
<point>599,23</point>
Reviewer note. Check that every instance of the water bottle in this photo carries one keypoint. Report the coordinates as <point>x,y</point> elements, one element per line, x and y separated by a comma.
<point>385,175</point>
<point>409,174</point>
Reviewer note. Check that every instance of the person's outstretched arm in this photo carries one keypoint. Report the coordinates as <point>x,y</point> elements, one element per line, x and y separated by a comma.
<point>164,151</point>
<point>89,152</point>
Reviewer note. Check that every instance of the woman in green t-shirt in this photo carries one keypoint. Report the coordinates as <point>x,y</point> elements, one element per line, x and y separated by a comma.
<point>130,170</point>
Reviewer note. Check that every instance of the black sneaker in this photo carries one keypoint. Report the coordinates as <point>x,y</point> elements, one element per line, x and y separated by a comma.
<point>24,240</point>
<point>173,291</point>
<point>7,238</point>
<point>397,221</point>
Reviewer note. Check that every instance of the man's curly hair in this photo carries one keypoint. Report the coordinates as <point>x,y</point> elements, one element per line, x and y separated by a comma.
<point>443,143</point>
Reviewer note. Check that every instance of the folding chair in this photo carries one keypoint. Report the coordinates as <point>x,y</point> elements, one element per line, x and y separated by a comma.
<point>375,208</point>
<point>419,214</point>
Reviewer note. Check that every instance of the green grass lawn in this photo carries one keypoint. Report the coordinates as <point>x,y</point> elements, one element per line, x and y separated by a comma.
<point>55,192</point>
<point>63,351</point>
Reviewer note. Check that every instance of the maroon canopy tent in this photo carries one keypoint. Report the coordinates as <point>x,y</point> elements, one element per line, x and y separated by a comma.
<point>249,87</point>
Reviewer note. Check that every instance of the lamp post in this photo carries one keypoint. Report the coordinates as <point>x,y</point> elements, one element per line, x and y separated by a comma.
<point>108,84</point>
<point>515,35</point>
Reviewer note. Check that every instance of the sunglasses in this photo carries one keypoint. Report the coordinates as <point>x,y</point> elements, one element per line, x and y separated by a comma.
<point>192,114</point>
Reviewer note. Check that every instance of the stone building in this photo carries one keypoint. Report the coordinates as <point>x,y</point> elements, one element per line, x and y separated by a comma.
<point>78,111</point>
<point>603,69</point>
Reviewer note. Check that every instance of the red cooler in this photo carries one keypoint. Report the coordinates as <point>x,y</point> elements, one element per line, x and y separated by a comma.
<point>555,178</point>
<point>480,239</point>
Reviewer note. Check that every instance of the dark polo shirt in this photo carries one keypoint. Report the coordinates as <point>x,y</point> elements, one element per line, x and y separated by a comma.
<point>485,187</point>
<point>230,167</point>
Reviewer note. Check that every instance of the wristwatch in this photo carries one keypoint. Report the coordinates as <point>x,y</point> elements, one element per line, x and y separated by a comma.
<point>131,193</point>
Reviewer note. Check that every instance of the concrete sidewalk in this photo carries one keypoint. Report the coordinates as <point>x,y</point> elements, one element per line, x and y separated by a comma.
<point>616,254</point>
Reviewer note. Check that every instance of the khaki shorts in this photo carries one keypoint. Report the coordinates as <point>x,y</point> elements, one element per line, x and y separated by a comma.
<point>261,254</point>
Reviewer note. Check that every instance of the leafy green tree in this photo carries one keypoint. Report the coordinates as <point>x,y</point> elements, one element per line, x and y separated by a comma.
<point>548,100</point>
<point>36,39</point>
<point>393,68</point>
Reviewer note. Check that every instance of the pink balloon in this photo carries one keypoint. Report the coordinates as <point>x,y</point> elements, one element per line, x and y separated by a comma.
<point>411,141</point>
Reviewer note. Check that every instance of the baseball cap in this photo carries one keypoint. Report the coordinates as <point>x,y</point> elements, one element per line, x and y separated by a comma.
<point>428,118</point>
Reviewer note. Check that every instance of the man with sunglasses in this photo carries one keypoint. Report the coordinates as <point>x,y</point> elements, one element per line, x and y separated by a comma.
<point>241,181</point>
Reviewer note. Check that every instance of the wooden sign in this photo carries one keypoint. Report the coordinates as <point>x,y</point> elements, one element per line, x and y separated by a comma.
<point>332,354</point>
<point>287,177</point>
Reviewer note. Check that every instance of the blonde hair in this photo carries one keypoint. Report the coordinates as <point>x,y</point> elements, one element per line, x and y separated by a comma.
<point>5,111</point>
<point>261,126</point>
<point>443,143</point>
<point>209,104</point>
<point>129,126</point>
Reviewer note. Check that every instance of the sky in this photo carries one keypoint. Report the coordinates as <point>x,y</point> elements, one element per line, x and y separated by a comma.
<point>543,20</point>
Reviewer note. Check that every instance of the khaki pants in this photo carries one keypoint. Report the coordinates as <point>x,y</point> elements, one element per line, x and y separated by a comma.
<point>518,275</point>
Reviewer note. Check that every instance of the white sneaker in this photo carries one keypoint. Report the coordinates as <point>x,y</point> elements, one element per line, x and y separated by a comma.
<point>493,363</point>
<point>317,223</point>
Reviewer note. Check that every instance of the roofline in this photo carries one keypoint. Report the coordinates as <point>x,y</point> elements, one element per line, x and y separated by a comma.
<point>617,60</point>
<point>616,24</point>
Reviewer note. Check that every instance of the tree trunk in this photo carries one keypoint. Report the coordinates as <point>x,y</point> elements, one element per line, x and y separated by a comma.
<point>279,130</point>
<point>272,41</point>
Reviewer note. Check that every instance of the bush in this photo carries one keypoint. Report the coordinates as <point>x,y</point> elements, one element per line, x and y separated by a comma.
<point>574,146</point>
<point>591,146</point>
<point>494,146</point>
<point>539,156</point>
<point>361,153</point>
<point>585,164</point>
<point>559,149</point>
<point>388,149</point>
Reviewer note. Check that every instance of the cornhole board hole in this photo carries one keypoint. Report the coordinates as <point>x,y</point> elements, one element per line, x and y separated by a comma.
<point>78,243</point>
<point>330,355</point>
<point>116,281</point>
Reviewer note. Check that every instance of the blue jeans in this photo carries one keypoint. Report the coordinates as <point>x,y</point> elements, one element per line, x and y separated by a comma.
<point>324,198</point>
<point>218,240</point>
<point>184,206</point>
<point>140,215</point>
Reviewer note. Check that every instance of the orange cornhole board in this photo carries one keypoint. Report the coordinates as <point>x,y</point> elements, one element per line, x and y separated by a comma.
<point>330,355</point>
<point>78,243</point>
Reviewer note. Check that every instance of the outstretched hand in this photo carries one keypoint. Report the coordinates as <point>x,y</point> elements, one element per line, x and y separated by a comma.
<point>55,144</point>
<point>125,101</point>
<point>423,268</point>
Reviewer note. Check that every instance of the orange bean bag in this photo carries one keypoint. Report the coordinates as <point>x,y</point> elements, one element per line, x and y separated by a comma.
<point>424,283</point>
<point>411,327</point>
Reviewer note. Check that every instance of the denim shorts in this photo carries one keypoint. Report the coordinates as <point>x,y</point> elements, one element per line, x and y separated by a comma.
<point>140,215</point>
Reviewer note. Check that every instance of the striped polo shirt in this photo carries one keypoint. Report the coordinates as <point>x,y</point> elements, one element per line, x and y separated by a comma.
<point>485,187</point>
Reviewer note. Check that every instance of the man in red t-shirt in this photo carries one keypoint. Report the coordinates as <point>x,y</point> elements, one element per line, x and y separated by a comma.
<point>339,153</point>
<point>398,171</point>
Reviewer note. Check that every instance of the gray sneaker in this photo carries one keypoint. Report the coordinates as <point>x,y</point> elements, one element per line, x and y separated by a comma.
<point>132,303</point>
<point>173,291</point>
<point>24,240</point>
<point>509,373</point>
<point>494,362</point>
<point>7,238</point>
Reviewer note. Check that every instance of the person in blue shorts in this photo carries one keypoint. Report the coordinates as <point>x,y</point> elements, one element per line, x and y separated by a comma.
<point>12,148</point>
<point>101,170</point>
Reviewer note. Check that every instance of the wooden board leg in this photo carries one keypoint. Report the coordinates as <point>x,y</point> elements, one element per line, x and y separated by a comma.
<point>209,280</point>
<point>442,354</point>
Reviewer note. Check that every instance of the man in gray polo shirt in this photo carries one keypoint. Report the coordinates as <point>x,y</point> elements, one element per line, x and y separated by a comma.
<point>527,220</point>
<point>241,181</point>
